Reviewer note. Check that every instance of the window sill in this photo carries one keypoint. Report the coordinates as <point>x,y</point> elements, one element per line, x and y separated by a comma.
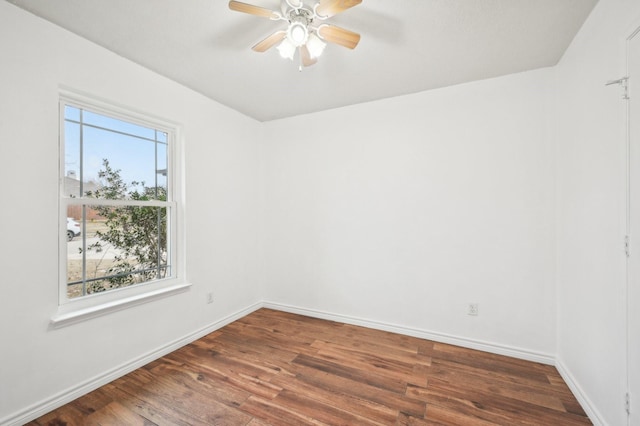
<point>62,319</point>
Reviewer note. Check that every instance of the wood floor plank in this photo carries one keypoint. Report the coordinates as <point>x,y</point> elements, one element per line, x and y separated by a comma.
<point>374,363</point>
<point>325,413</point>
<point>404,419</point>
<point>519,391</point>
<point>241,375</point>
<point>383,338</point>
<point>417,392</point>
<point>275,368</point>
<point>277,414</point>
<point>335,396</point>
<point>497,364</point>
<point>158,414</point>
<point>67,415</point>
<point>488,406</point>
<point>361,390</point>
<point>116,414</point>
<point>257,422</point>
<point>185,402</point>
<point>349,372</point>
<point>200,381</point>
<point>517,387</point>
<point>452,417</point>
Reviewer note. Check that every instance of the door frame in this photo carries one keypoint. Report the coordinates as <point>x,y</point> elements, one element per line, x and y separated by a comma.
<point>635,34</point>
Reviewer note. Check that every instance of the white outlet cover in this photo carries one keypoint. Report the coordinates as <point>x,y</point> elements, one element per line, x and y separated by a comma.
<point>472,309</point>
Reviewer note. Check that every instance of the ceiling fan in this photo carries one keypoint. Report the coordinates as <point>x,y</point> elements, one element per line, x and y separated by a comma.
<point>306,31</point>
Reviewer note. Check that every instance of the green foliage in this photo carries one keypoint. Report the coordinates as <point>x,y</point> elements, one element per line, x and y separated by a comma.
<point>138,233</point>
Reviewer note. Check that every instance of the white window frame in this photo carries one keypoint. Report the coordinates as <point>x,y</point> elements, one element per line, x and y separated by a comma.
<point>78,309</point>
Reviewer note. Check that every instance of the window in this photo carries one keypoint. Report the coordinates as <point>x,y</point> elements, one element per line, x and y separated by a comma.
<point>118,206</point>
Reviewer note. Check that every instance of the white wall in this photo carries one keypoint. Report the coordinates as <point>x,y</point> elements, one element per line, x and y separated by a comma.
<point>399,211</point>
<point>404,210</point>
<point>591,209</point>
<point>222,166</point>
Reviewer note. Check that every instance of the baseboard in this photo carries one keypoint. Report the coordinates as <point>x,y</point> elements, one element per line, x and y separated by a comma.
<point>495,348</point>
<point>43,407</point>
<point>589,408</point>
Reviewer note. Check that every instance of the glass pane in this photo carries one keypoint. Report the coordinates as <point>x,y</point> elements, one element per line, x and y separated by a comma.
<point>123,166</point>
<point>123,246</point>
<point>72,187</point>
<point>113,159</point>
<point>161,171</point>
<point>71,113</point>
<point>105,122</point>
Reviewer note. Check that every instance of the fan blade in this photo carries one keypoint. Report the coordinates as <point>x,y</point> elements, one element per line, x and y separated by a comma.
<point>338,35</point>
<point>252,10</point>
<point>307,60</point>
<point>270,41</point>
<point>328,8</point>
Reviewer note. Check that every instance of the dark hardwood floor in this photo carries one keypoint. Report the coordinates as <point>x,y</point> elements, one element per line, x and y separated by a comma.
<point>276,368</point>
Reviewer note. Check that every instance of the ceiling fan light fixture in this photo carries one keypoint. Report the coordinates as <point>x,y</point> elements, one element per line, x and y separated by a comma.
<point>302,32</point>
<point>297,34</point>
<point>286,49</point>
<point>315,45</point>
<point>295,4</point>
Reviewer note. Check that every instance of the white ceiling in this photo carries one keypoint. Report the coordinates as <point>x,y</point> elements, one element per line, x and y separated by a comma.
<point>407,46</point>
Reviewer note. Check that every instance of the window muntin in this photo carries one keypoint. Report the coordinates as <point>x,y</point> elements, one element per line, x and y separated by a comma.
<point>116,184</point>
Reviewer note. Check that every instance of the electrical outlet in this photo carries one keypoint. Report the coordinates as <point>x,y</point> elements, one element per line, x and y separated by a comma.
<point>209,298</point>
<point>472,309</point>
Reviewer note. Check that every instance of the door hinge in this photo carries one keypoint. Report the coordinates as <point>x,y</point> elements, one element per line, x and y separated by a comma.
<point>627,403</point>
<point>627,244</point>
<point>624,82</point>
